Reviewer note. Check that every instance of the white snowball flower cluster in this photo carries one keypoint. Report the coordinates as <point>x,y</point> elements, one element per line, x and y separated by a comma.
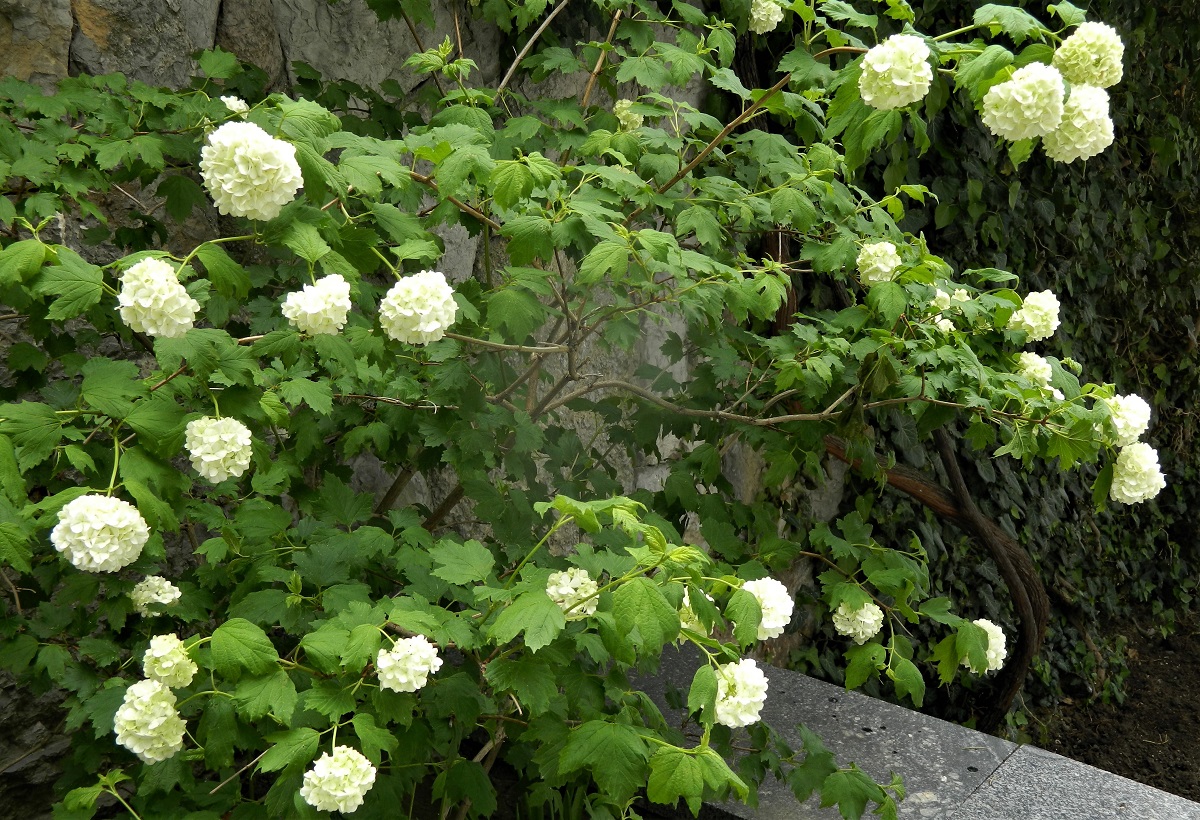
<point>996,651</point>
<point>629,121</point>
<point>1091,56</point>
<point>568,588</point>
<point>152,301</point>
<point>147,722</point>
<point>895,73</point>
<point>776,603</point>
<point>1038,316</point>
<point>320,308</point>
<point>338,781</point>
<point>1136,475</point>
<point>741,693</point>
<point>944,301</point>
<point>862,623</point>
<point>1130,416</point>
<point>1086,128</point>
<point>418,309</point>
<point>406,667</point>
<point>688,619</point>
<point>1038,370</point>
<point>877,262</point>
<point>219,448</point>
<point>98,533</point>
<point>1030,104</point>
<point>248,172</point>
<point>236,105</point>
<point>153,589</point>
<point>765,15</point>
<point>167,660</point>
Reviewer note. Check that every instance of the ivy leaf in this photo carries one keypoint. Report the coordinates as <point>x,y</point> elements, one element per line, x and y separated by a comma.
<point>614,753</point>
<point>674,774</point>
<point>1017,23</point>
<point>240,646</point>
<point>865,661</point>
<point>532,613</point>
<point>372,737</point>
<point>292,750</point>
<point>462,563</point>
<point>640,602</point>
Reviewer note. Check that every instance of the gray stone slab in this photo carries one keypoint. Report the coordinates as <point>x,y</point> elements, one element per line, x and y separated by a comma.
<point>942,763</point>
<point>1034,784</point>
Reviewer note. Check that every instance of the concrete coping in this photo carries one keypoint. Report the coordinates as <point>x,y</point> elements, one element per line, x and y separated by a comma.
<point>950,772</point>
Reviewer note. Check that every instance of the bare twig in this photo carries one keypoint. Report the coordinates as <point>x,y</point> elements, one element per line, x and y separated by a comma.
<point>591,83</point>
<point>512,69</point>
<point>462,206</point>
<point>389,498</point>
<point>233,776</point>
<point>15,595</point>
<point>501,346</point>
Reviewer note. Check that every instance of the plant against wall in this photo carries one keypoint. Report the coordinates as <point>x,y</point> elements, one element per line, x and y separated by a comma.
<point>314,648</point>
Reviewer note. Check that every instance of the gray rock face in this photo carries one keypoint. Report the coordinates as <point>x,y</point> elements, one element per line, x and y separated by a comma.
<point>35,37</point>
<point>148,40</point>
<point>247,28</point>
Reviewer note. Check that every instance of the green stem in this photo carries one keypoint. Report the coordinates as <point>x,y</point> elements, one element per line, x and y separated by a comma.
<point>121,800</point>
<point>112,481</point>
<point>956,32</point>
<point>216,241</point>
<point>557,525</point>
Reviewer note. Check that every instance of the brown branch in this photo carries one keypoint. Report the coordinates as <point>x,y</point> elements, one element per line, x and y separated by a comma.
<point>512,69</point>
<point>448,503</point>
<point>462,206</point>
<point>11,588</point>
<point>591,83</point>
<point>393,492</point>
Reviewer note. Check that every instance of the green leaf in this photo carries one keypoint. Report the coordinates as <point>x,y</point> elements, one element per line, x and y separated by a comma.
<point>837,10</point>
<point>317,395</point>
<point>306,241</point>
<point>158,513</point>
<point>889,300</point>
<point>864,662</point>
<point>516,311</point>
<point>182,194</point>
<point>467,780</point>
<point>938,611</point>
<point>726,80</point>
<point>274,694</point>
<point>975,73</point>
<point>907,677</point>
<point>77,284</point>
<point>511,182</point>
<point>292,750</point>
<point>218,63</point>
<point>531,680</point>
<point>159,423</point>
<point>1017,23</point>
<point>14,547</point>
<point>372,737</point>
<point>111,386</point>
<point>228,277</point>
<point>971,642</point>
<point>240,646</point>
<point>640,603</point>
<point>614,753</point>
<point>462,563</point>
<point>702,696</point>
<point>21,260</point>
<point>674,774</point>
<point>324,647</point>
<point>1070,14</point>
<point>361,647</point>
<point>34,428</point>
<point>530,238</point>
<point>532,613</point>
<point>609,258</point>
<point>746,613</point>
<point>851,790</point>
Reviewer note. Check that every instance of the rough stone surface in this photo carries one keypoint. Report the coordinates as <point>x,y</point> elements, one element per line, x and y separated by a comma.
<point>35,38</point>
<point>1034,784</point>
<point>148,40</point>
<point>347,41</point>
<point>941,763</point>
<point>247,28</point>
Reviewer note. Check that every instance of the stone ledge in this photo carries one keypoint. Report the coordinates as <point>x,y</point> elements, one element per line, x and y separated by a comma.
<point>949,771</point>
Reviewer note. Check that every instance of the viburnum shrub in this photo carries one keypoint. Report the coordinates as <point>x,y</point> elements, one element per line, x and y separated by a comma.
<point>240,628</point>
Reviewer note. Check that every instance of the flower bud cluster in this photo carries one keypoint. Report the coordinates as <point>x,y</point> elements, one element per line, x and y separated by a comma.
<point>628,120</point>
<point>860,623</point>
<point>167,660</point>
<point>152,301</point>
<point>98,533</point>
<point>219,448</point>
<point>338,781</point>
<point>895,73</point>
<point>574,591</point>
<point>406,667</point>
